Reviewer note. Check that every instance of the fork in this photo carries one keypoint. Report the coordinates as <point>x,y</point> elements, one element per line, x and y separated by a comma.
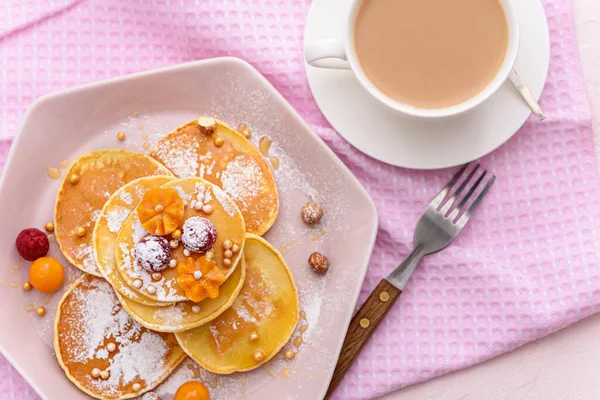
<point>441,222</point>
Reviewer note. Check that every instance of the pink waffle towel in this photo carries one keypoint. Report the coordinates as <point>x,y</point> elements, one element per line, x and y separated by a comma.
<point>528,263</point>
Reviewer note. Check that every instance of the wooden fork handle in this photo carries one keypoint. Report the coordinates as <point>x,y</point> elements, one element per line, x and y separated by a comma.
<point>361,327</point>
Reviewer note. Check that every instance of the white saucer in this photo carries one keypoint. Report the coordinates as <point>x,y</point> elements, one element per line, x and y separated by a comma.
<point>394,139</point>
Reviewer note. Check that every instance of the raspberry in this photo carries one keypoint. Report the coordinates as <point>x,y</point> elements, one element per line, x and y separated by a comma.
<point>32,244</point>
<point>199,235</point>
<point>153,253</point>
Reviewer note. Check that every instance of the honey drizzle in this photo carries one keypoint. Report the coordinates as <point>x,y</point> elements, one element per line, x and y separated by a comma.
<point>303,315</point>
<point>286,372</point>
<point>64,164</point>
<point>146,145</point>
<point>303,328</point>
<point>145,137</point>
<point>195,370</point>
<point>14,284</point>
<point>53,173</point>
<point>243,388</point>
<point>274,162</point>
<point>48,298</point>
<point>29,308</point>
<point>14,269</point>
<point>298,341</point>
<point>264,145</point>
<point>270,371</point>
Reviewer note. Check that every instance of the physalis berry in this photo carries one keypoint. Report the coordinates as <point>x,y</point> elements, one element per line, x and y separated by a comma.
<point>46,274</point>
<point>192,390</point>
<point>199,278</point>
<point>161,211</point>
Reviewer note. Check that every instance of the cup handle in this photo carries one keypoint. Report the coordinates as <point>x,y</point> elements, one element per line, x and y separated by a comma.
<point>327,53</point>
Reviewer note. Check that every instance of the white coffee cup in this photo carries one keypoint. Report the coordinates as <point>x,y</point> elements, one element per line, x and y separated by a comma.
<point>341,54</point>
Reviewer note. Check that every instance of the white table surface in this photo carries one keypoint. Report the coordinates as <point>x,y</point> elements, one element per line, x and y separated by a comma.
<point>564,365</point>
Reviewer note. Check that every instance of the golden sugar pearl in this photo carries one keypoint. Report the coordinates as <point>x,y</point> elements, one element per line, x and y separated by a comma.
<point>41,311</point>
<point>105,374</point>
<point>74,179</point>
<point>253,337</point>
<point>227,262</point>
<point>210,255</point>
<point>235,248</point>
<point>218,141</point>
<point>156,276</point>
<point>80,231</point>
<point>176,234</point>
<point>227,244</point>
<point>241,126</point>
<point>259,356</point>
<point>136,387</point>
<point>96,373</point>
<point>290,355</point>
<point>121,136</point>
<point>159,208</point>
<point>49,227</point>
<point>27,286</point>
<point>228,254</point>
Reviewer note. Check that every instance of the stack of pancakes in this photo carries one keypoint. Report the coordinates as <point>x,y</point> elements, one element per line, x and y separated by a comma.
<point>121,330</point>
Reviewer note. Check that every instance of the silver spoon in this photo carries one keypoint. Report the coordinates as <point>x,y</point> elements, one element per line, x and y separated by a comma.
<point>521,86</point>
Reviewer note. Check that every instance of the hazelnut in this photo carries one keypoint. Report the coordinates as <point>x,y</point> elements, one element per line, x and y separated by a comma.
<point>311,213</point>
<point>207,124</point>
<point>318,262</point>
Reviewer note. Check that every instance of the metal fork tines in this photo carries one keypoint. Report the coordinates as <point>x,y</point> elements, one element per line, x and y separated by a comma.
<point>444,218</point>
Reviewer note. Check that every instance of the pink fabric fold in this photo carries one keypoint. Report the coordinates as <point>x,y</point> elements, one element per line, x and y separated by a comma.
<point>527,265</point>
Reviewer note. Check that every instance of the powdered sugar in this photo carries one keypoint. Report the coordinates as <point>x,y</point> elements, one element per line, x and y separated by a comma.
<point>242,179</point>
<point>185,196</point>
<point>126,197</point>
<point>225,201</point>
<point>182,158</point>
<point>115,217</point>
<point>98,317</point>
<point>85,252</point>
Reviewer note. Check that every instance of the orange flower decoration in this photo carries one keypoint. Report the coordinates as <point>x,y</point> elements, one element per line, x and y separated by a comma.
<point>161,211</point>
<point>199,278</point>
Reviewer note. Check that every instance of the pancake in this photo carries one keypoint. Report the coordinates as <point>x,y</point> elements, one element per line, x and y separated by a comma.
<point>258,324</point>
<point>97,175</point>
<point>93,331</point>
<point>226,218</point>
<point>236,166</point>
<point>115,211</point>
<point>187,314</point>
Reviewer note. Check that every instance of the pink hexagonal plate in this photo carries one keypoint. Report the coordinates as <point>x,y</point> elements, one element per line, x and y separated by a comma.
<point>61,126</point>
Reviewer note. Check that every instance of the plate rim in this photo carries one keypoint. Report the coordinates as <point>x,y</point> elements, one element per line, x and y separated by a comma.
<point>371,212</point>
